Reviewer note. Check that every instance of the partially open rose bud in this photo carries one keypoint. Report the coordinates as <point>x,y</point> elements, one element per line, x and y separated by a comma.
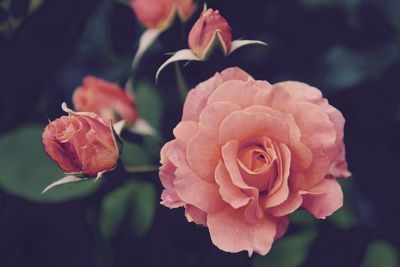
<point>160,13</point>
<point>81,143</point>
<point>211,30</point>
<point>106,99</point>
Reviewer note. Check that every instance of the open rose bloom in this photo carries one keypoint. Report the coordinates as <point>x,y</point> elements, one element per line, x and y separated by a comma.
<point>248,153</point>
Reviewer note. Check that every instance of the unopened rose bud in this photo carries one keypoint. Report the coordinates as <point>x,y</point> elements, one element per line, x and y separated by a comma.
<point>210,30</point>
<point>106,99</point>
<point>81,144</point>
<point>160,13</point>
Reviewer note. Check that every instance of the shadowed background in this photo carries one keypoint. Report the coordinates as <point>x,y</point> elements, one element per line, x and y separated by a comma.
<point>350,49</point>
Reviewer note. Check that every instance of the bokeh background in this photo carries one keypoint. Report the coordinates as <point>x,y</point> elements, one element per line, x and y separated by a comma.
<point>350,49</point>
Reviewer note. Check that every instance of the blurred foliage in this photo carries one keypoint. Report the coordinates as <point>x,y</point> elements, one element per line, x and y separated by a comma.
<point>149,104</point>
<point>290,251</point>
<point>26,170</point>
<point>133,202</point>
<point>13,13</point>
<point>380,253</point>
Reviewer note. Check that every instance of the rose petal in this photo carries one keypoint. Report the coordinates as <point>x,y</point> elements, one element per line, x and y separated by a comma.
<point>195,215</point>
<point>203,152</point>
<point>245,125</point>
<point>229,155</point>
<point>230,193</point>
<point>196,99</point>
<point>241,93</point>
<point>185,130</point>
<point>280,189</point>
<point>323,199</point>
<point>170,199</point>
<point>232,233</point>
<point>189,187</point>
<point>292,203</point>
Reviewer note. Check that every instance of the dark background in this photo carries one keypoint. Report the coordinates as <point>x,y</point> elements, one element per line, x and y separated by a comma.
<point>350,49</point>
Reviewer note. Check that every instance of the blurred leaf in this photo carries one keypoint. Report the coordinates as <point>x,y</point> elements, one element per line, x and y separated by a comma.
<point>381,253</point>
<point>346,67</point>
<point>134,155</point>
<point>149,104</point>
<point>302,217</point>
<point>26,170</point>
<point>290,251</point>
<point>134,201</point>
<point>345,217</point>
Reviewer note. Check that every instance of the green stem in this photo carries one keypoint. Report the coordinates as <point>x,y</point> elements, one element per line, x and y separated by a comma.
<point>183,89</point>
<point>141,169</point>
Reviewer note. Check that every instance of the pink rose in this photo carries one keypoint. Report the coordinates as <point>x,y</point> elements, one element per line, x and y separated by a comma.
<point>160,13</point>
<point>248,153</point>
<point>210,30</point>
<point>81,144</point>
<point>106,99</point>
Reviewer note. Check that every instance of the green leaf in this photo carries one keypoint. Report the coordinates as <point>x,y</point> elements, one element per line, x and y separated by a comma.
<point>26,169</point>
<point>134,201</point>
<point>134,155</point>
<point>345,217</point>
<point>381,253</point>
<point>290,251</point>
<point>302,217</point>
<point>149,104</point>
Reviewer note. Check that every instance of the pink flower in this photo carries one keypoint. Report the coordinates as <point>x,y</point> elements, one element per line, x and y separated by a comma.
<point>105,99</point>
<point>81,144</point>
<point>248,153</point>
<point>160,13</point>
<point>210,30</point>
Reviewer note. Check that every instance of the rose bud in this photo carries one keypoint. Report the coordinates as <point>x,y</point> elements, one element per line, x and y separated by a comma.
<point>210,30</point>
<point>106,99</point>
<point>248,153</point>
<point>160,13</point>
<point>81,143</point>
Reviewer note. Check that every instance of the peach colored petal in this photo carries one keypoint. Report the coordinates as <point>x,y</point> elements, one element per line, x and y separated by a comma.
<point>167,175</point>
<point>185,130</point>
<point>195,215</point>
<point>230,231</point>
<point>280,190</point>
<point>313,175</point>
<point>170,199</point>
<point>229,154</point>
<point>189,187</point>
<point>245,125</point>
<point>241,93</point>
<point>323,199</point>
<point>283,223</point>
<point>301,155</point>
<point>338,168</point>
<point>292,203</point>
<point>230,193</point>
<point>316,128</point>
<point>203,152</point>
<point>196,99</point>
<point>301,91</point>
<point>167,170</point>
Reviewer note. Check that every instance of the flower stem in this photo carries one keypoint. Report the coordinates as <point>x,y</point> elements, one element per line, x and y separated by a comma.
<point>142,169</point>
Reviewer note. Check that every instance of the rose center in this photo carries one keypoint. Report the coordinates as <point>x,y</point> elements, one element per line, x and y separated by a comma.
<point>258,166</point>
